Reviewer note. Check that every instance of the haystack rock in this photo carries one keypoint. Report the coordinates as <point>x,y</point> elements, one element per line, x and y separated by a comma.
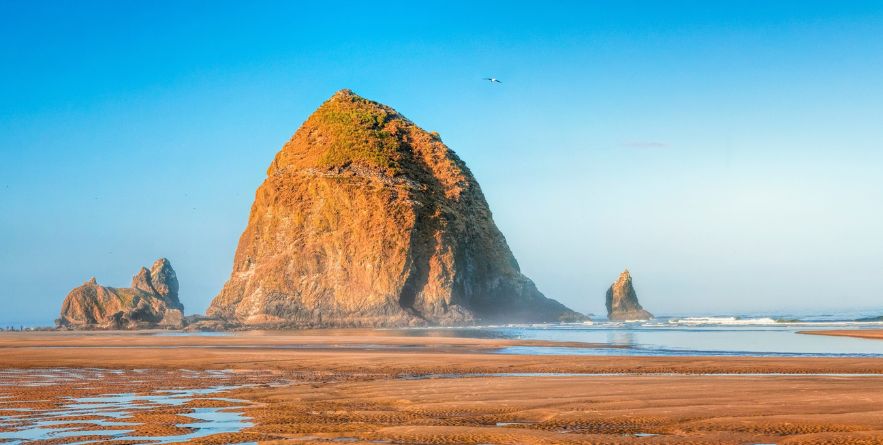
<point>366,219</point>
<point>151,302</point>
<point>622,301</point>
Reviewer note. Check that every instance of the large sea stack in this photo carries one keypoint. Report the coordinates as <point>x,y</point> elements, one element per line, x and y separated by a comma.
<point>622,301</point>
<point>151,302</point>
<point>365,219</point>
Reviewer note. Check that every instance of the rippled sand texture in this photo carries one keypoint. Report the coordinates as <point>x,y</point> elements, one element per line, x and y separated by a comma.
<point>66,405</point>
<point>416,391</point>
<point>575,410</point>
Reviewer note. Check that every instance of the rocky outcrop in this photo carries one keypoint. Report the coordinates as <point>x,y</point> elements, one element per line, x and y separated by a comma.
<point>622,301</point>
<point>151,302</point>
<point>365,219</point>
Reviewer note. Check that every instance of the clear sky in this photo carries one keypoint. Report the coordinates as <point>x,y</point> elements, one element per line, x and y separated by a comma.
<point>729,153</point>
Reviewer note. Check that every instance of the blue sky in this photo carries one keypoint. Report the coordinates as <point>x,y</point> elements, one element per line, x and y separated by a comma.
<point>729,153</point>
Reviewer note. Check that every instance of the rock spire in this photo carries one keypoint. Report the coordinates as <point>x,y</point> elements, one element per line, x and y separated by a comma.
<point>622,301</point>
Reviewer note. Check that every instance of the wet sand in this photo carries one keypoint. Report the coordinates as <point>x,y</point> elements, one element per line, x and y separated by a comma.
<point>375,389</point>
<point>564,410</point>
<point>73,405</point>
<point>857,333</point>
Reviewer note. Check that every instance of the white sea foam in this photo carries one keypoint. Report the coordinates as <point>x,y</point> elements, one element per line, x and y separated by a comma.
<point>760,321</point>
<point>725,321</point>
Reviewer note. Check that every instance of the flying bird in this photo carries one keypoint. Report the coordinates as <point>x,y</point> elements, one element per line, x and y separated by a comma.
<point>492,80</point>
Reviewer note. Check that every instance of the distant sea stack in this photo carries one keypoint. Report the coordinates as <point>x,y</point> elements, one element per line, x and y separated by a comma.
<point>151,302</point>
<point>365,219</point>
<point>622,301</point>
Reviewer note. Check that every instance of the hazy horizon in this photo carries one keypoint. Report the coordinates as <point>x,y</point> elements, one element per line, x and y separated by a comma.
<point>729,157</point>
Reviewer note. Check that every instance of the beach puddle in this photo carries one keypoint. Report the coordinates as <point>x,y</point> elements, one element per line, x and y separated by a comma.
<point>478,375</point>
<point>633,374</point>
<point>505,424</point>
<point>90,406</point>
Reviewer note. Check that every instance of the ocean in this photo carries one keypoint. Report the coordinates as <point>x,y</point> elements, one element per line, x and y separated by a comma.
<point>727,335</point>
<point>754,335</point>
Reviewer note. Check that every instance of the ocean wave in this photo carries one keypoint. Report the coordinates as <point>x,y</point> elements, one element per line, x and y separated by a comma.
<point>725,321</point>
<point>765,321</point>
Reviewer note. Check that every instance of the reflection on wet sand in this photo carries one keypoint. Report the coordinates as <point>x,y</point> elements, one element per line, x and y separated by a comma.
<point>67,405</point>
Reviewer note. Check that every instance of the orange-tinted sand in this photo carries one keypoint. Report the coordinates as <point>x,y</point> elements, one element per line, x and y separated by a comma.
<point>349,384</point>
<point>857,333</point>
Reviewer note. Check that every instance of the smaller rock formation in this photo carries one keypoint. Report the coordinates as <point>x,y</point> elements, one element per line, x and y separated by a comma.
<point>622,301</point>
<point>202,323</point>
<point>151,302</point>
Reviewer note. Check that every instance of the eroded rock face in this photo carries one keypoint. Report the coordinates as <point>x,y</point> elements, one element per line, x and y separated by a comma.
<point>622,301</point>
<point>367,220</point>
<point>152,301</point>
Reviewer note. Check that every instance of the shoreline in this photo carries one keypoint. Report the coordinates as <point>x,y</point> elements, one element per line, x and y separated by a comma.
<point>389,355</point>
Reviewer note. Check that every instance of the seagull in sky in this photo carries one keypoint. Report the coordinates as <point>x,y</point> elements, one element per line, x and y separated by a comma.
<point>492,80</point>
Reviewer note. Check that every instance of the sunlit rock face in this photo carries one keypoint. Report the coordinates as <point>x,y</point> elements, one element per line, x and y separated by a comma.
<point>365,219</point>
<point>151,302</point>
<point>622,301</point>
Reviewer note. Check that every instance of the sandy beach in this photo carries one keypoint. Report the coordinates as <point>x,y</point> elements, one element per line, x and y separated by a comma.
<point>855,333</point>
<point>321,387</point>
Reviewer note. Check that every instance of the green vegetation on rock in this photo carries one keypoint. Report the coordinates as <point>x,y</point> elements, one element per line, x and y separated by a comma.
<point>360,133</point>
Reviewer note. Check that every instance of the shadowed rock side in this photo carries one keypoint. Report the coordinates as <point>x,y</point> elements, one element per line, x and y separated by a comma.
<point>367,220</point>
<point>152,301</point>
<point>622,301</point>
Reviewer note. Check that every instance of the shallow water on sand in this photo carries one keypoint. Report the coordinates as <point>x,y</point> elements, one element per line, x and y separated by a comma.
<point>711,336</point>
<point>764,336</point>
<point>113,416</point>
<point>662,340</point>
